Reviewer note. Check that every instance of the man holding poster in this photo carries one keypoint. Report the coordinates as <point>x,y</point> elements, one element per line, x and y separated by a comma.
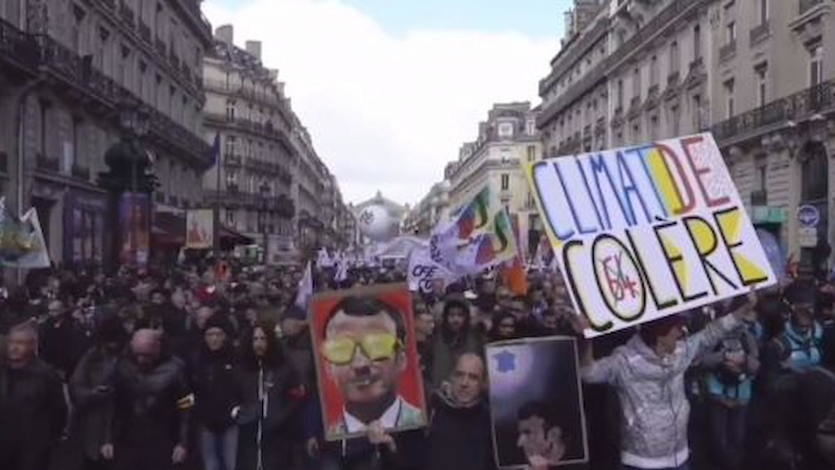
<point>366,362</point>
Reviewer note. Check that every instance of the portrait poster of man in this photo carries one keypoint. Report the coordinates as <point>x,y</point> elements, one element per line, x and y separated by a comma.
<point>536,402</point>
<point>366,360</point>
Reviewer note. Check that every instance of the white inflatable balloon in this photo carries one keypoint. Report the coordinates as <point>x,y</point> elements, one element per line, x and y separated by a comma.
<point>376,223</point>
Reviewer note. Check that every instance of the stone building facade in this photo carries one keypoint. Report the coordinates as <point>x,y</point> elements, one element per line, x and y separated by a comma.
<point>506,141</point>
<point>758,74</point>
<point>69,69</point>
<point>425,215</point>
<point>246,109</point>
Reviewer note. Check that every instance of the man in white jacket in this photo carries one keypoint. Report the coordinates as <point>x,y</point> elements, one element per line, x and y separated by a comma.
<point>648,374</point>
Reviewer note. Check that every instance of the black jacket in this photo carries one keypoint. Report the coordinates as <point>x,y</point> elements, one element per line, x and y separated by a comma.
<point>91,389</point>
<point>151,413</point>
<point>459,438</point>
<point>282,397</point>
<point>214,378</point>
<point>32,415</point>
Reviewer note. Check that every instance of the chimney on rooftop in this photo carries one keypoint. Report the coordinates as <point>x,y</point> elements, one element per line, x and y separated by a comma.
<point>225,33</point>
<point>254,48</point>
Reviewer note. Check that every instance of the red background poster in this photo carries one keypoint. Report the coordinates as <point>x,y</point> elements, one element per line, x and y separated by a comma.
<point>411,382</point>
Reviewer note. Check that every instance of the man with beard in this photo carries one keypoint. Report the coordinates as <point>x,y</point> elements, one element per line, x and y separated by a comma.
<point>459,435</point>
<point>32,407</point>
<point>153,403</point>
<point>365,347</point>
<point>454,338</point>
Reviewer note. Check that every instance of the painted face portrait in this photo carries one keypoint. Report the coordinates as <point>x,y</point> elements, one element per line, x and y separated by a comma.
<point>367,365</point>
<point>364,353</point>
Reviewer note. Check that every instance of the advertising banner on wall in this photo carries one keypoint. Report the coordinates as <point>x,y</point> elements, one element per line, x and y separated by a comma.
<point>200,229</point>
<point>135,228</point>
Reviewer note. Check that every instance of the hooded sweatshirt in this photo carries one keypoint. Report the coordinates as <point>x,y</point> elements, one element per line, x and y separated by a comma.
<point>448,345</point>
<point>651,392</point>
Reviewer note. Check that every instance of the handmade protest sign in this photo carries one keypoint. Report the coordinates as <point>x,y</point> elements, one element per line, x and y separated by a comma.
<point>536,402</point>
<point>648,231</point>
<point>366,360</point>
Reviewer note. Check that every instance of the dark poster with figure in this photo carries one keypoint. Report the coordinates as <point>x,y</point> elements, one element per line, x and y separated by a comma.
<point>536,402</point>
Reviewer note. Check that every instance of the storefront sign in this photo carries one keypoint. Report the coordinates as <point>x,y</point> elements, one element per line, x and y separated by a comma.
<point>768,215</point>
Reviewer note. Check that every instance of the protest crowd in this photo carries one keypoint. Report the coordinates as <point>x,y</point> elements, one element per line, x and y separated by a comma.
<point>197,367</point>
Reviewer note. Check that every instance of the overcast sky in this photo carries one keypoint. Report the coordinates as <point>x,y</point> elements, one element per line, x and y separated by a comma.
<point>390,89</point>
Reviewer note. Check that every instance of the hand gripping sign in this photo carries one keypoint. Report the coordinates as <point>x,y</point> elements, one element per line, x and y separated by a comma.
<point>648,231</point>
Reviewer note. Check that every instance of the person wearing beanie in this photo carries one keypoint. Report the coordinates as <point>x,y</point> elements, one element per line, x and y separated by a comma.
<point>91,390</point>
<point>648,376</point>
<point>214,378</point>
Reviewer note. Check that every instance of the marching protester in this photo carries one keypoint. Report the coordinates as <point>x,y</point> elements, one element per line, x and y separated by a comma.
<point>459,430</point>
<point>214,379</point>
<point>91,390</point>
<point>32,407</point>
<point>271,396</point>
<point>648,374</point>
<point>153,403</point>
<point>455,337</point>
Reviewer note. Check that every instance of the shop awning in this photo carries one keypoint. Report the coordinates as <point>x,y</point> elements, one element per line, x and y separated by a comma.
<point>170,229</point>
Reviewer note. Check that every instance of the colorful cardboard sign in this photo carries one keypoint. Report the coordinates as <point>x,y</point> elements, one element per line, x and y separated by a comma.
<point>648,231</point>
<point>366,360</point>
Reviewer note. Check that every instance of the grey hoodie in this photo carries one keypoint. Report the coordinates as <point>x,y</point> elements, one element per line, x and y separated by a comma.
<point>651,391</point>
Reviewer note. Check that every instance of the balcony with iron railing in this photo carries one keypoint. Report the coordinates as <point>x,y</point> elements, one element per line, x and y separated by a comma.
<point>760,33</point>
<point>17,47</point>
<point>727,51</point>
<point>796,107</point>
<point>144,31</point>
<point>806,5</point>
<point>127,14</point>
<point>162,48</point>
<point>80,171</point>
<point>48,164</point>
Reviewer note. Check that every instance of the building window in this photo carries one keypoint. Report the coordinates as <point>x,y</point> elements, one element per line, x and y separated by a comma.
<point>506,130</point>
<point>729,98</point>
<point>730,32</point>
<point>230,217</point>
<point>653,71</point>
<point>636,82</point>
<point>697,42</point>
<point>124,66</point>
<point>505,182</point>
<point>531,126</point>
<point>674,59</point>
<point>230,110</point>
<point>620,94</point>
<point>653,127</point>
<point>763,11</point>
<point>75,29</point>
<point>696,111</point>
<point>761,174</point>
<point>761,73</point>
<point>816,65</point>
<point>674,120</point>
<point>531,153</point>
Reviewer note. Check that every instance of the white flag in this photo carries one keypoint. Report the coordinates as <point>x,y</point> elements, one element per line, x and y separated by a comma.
<point>305,288</point>
<point>423,271</point>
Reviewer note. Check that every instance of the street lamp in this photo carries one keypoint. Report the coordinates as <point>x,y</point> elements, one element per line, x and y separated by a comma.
<point>129,166</point>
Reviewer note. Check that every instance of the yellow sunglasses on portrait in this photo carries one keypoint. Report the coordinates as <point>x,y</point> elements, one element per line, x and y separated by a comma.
<point>375,346</point>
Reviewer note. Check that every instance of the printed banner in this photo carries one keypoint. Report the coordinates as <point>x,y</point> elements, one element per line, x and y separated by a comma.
<point>135,224</point>
<point>22,243</point>
<point>424,272</point>
<point>478,237</point>
<point>366,360</point>
<point>536,402</point>
<point>200,229</point>
<point>648,231</point>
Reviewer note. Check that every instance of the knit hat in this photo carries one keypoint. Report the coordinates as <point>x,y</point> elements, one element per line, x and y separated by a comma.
<point>219,320</point>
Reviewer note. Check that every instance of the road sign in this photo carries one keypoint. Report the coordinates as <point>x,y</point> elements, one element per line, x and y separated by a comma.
<point>808,216</point>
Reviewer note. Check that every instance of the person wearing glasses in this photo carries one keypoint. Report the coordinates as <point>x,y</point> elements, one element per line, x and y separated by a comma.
<point>364,347</point>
